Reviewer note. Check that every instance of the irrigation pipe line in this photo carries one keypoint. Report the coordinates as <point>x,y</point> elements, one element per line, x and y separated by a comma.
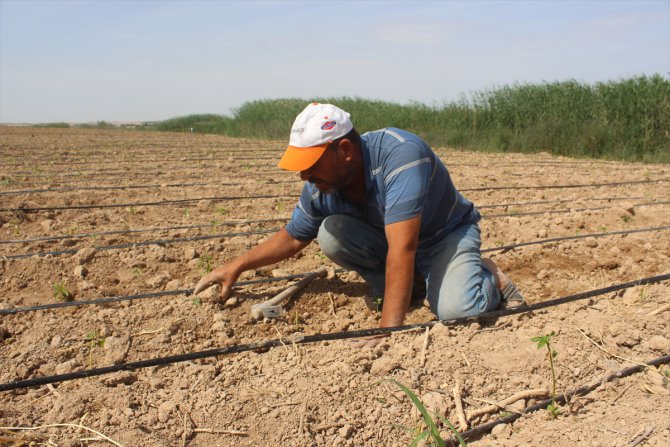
<point>585,185</point>
<point>143,230</point>
<point>264,345</point>
<point>105,161</point>
<point>123,187</point>
<point>187,292</point>
<point>142,244</point>
<point>562,398</point>
<point>270,230</point>
<point>161,203</point>
<point>215,198</point>
<point>484,188</point>
<point>190,227</point>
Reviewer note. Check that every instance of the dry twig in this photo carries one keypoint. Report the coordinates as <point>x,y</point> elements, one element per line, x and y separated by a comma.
<point>489,329</point>
<point>609,353</point>
<point>642,437</point>
<point>659,310</point>
<point>77,426</point>
<point>463,422</point>
<point>426,340</point>
<point>526,394</point>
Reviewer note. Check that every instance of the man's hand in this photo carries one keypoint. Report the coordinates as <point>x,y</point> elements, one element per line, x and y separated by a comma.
<point>225,276</point>
<point>369,342</point>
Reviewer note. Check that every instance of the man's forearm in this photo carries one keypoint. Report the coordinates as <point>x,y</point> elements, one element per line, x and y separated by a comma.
<point>278,247</point>
<point>398,288</point>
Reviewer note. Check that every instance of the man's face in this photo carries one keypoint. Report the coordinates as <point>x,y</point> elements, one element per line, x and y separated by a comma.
<point>328,174</point>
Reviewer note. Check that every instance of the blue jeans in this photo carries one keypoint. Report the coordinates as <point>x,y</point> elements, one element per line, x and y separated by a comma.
<point>457,284</point>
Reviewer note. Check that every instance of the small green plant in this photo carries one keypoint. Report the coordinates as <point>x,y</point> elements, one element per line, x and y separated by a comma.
<point>187,213</point>
<point>60,292</point>
<point>137,271</point>
<point>542,341</point>
<point>432,432</point>
<point>6,181</point>
<point>196,301</point>
<point>378,303</point>
<point>204,264</point>
<point>222,211</point>
<point>626,218</point>
<point>95,341</point>
<point>280,207</point>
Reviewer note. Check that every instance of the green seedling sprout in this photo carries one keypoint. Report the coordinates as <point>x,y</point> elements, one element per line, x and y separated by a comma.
<point>432,431</point>
<point>60,292</point>
<point>95,341</point>
<point>542,341</point>
<point>378,302</point>
<point>204,264</point>
<point>222,211</point>
<point>196,301</point>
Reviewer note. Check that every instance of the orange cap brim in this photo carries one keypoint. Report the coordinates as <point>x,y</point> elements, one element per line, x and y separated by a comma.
<point>301,158</point>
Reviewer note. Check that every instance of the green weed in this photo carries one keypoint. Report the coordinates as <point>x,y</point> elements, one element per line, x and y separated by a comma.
<point>60,292</point>
<point>626,218</point>
<point>204,264</point>
<point>222,211</point>
<point>542,341</point>
<point>196,301</point>
<point>95,341</point>
<point>432,432</point>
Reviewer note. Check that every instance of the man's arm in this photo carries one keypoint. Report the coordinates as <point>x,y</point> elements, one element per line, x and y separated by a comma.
<point>277,248</point>
<point>402,240</point>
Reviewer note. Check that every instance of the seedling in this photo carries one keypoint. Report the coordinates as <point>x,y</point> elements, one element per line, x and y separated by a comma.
<point>222,211</point>
<point>542,341</point>
<point>196,301</point>
<point>60,292</point>
<point>626,218</point>
<point>204,264</point>
<point>137,271</point>
<point>95,341</point>
<point>378,303</point>
<point>432,432</point>
<point>187,213</point>
<point>280,207</point>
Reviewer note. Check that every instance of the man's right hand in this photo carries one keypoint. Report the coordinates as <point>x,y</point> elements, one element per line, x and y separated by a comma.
<point>224,276</point>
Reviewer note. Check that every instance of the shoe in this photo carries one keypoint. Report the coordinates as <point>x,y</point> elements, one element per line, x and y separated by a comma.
<point>510,297</point>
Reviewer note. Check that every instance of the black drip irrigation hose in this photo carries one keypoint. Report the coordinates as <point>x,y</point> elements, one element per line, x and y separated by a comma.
<point>161,203</point>
<point>189,227</point>
<point>484,188</point>
<point>249,233</point>
<point>483,429</point>
<point>504,249</point>
<point>597,208</point>
<point>584,185</point>
<point>142,244</point>
<point>121,187</point>
<point>267,344</point>
<point>142,230</point>
<point>116,299</point>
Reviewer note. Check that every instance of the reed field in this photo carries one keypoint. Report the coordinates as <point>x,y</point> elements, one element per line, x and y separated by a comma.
<point>627,119</point>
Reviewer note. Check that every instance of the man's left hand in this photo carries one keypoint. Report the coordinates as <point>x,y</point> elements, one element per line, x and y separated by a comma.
<point>369,342</point>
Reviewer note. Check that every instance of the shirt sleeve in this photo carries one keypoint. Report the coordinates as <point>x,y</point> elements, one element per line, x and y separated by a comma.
<point>406,182</point>
<point>306,219</point>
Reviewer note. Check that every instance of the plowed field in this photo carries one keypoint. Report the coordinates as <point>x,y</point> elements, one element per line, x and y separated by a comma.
<point>93,214</point>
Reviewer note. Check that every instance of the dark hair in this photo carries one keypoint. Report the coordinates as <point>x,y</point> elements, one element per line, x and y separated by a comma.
<point>352,136</point>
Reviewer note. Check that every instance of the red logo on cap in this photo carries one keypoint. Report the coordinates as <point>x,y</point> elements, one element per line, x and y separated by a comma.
<point>328,125</point>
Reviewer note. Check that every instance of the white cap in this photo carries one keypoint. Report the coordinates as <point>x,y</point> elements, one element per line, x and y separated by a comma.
<point>313,130</point>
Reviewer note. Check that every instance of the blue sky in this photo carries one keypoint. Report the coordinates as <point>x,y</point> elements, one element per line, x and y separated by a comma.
<point>83,61</point>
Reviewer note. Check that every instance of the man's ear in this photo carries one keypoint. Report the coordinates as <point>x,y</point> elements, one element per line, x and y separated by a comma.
<point>346,149</point>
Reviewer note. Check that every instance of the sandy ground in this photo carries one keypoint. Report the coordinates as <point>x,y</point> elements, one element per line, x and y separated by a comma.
<point>326,393</point>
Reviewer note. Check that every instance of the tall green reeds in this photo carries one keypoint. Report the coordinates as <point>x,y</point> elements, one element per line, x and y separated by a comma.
<point>626,120</point>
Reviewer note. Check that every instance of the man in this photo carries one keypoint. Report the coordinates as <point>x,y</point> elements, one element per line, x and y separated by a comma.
<point>381,204</point>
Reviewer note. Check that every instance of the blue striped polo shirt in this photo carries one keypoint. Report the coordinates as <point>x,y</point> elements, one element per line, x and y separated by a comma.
<point>403,178</point>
